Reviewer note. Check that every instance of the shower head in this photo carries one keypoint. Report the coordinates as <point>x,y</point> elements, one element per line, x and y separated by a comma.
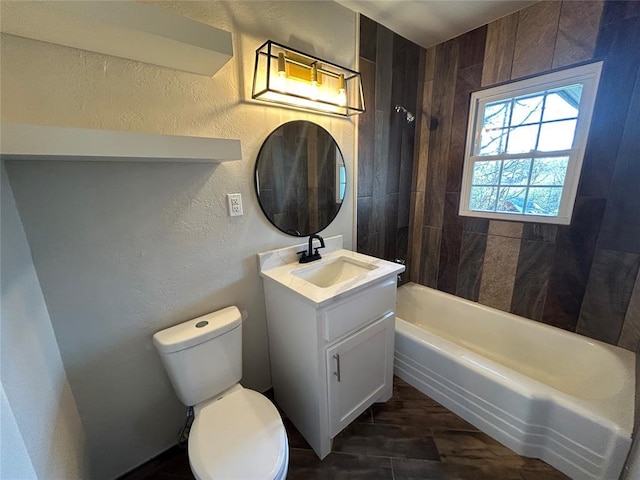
<point>410,117</point>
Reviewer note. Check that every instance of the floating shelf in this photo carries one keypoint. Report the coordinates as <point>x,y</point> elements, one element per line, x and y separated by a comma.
<point>123,29</point>
<point>35,142</point>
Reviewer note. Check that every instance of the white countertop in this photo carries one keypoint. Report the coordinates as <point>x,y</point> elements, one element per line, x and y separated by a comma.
<point>319,296</point>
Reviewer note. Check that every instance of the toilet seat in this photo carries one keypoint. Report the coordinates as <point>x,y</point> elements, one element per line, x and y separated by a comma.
<point>239,436</point>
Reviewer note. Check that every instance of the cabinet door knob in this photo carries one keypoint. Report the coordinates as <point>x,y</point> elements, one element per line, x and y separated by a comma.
<point>337,373</point>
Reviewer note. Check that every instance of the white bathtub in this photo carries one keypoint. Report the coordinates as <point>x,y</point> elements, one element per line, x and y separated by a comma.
<point>539,390</point>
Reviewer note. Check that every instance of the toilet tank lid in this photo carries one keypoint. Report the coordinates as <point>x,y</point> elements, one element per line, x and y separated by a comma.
<point>198,330</point>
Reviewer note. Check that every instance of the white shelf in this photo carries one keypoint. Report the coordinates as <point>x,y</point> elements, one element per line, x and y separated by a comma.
<point>124,29</point>
<point>35,142</point>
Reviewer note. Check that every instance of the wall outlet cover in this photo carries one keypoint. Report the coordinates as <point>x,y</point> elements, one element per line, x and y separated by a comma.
<point>234,200</point>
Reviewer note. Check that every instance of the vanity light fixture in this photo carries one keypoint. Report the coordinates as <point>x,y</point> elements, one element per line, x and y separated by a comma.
<point>290,77</point>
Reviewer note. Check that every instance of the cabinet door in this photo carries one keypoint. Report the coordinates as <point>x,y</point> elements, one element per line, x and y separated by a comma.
<point>359,369</point>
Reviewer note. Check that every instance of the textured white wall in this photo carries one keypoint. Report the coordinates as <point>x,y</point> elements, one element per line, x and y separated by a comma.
<point>37,391</point>
<point>123,250</point>
<point>14,457</point>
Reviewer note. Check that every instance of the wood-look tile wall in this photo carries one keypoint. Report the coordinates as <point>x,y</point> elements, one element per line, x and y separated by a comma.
<point>390,67</point>
<point>581,277</point>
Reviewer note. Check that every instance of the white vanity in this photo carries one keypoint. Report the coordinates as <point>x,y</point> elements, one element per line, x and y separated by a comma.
<point>331,336</point>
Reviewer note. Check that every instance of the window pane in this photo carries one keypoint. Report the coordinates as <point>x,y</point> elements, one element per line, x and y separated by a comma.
<point>492,142</point>
<point>496,115</point>
<point>495,119</point>
<point>511,199</point>
<point>562,103</point>
<point>544,201</point>
<point>486,173</point>
<point>556,136</point>
<point>515,172</point>
<point>549,171</point>
<point>483,198</point>
<point>526,110</point>
<point>522,139</point>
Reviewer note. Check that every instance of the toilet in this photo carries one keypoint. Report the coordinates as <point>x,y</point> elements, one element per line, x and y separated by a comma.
<point>236,433</point>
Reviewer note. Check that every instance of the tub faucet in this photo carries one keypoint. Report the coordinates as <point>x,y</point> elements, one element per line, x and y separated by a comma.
<point>308,256</point>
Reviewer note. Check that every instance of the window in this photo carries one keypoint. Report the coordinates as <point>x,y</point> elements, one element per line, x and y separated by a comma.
<point>525,144</point>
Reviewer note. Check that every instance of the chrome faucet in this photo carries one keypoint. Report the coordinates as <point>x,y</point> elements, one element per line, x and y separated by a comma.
<point>308,256</point>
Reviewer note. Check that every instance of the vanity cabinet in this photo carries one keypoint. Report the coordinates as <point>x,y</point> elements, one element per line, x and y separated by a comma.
<point>358,371</point>
<point>330,362</point>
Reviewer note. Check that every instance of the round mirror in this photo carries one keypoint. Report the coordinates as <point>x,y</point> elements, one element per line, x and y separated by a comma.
<point>300,178</point>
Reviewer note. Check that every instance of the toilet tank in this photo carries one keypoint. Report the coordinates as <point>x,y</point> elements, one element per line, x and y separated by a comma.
<point>203,356</point>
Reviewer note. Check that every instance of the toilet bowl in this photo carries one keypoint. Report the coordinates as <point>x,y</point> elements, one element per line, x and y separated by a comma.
<point>237,433</point>
<point>239,436</point>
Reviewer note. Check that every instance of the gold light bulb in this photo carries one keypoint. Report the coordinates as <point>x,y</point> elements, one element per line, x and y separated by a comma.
<point>342,91</point>
<point>313,93</point>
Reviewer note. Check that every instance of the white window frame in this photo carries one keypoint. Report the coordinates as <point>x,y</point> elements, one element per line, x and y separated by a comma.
<point>589,76</point>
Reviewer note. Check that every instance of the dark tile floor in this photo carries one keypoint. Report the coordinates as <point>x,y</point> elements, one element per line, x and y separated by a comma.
<point>411,437</point>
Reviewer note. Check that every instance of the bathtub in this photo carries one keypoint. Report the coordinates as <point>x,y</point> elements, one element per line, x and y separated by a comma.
<point>539,390</point>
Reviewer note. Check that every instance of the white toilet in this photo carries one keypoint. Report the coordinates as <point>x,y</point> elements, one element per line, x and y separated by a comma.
<point>237,433</point>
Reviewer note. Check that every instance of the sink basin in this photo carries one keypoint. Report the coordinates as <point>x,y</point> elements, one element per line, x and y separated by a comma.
<point>338,274</point>
<point>332,272</point>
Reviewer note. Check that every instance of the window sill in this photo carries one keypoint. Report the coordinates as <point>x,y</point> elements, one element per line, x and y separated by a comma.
<point>510,217</point>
